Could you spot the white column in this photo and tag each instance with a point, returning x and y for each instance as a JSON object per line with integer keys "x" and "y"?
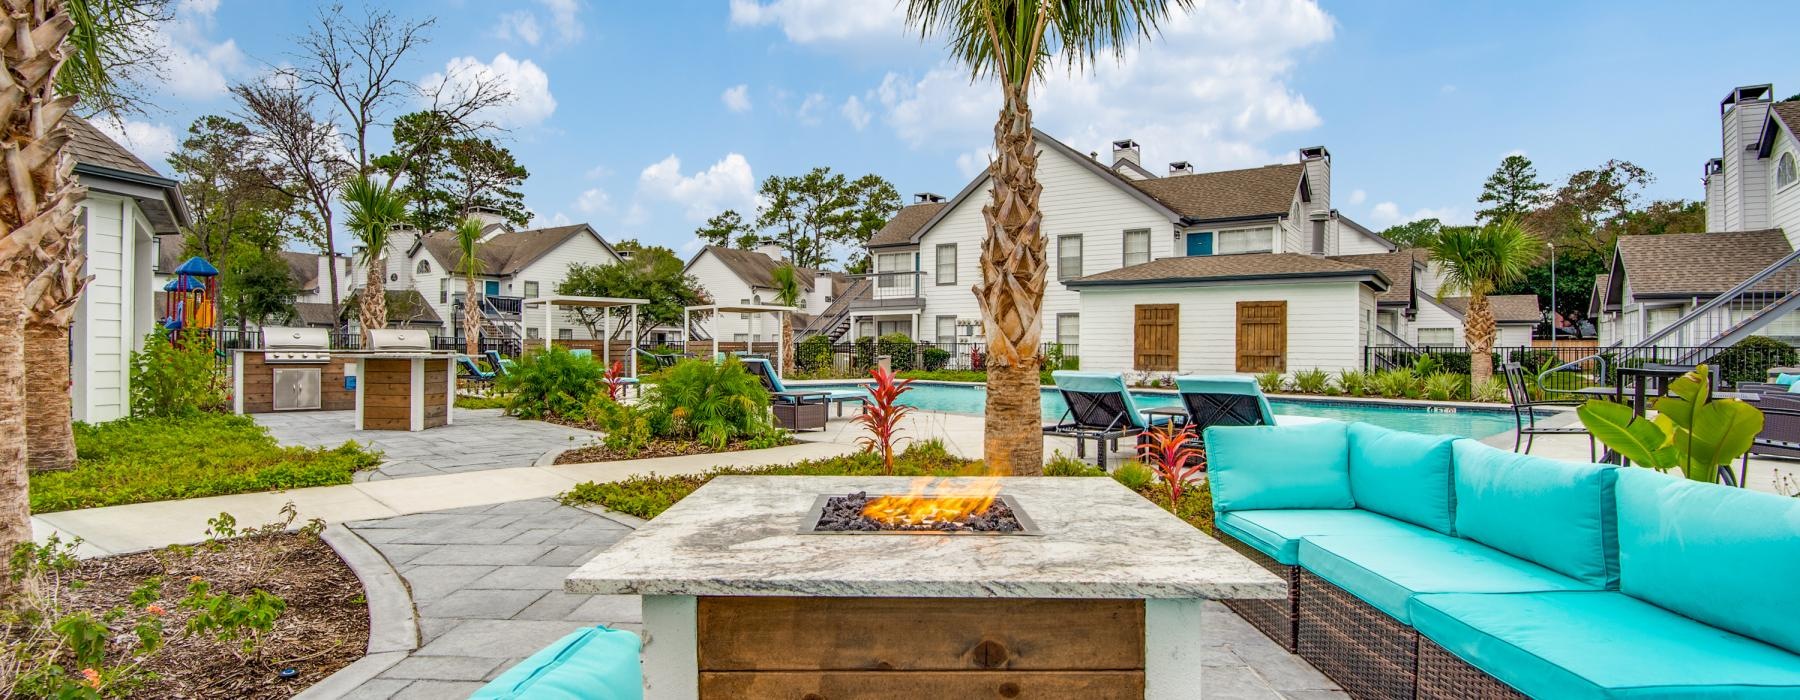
{"x": 237, "y": 382}
{"x": 671, "y": 648}
{"x": 1173, "y": 647}
{"x": 361, "y": 385}
{"x": 714, "y": 327}
{"x": 415, "y": 395}
{"x": 549, "y": 323}
{"x": 450, "y": 393}
{"x": 631, "y": 318}
{"x": 780, "y": 347}
{"x": 606, "y": 337}
{"x": 685, "y": 335}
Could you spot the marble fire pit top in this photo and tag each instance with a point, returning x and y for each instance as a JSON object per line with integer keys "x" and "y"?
{"x": 739, "y": 535}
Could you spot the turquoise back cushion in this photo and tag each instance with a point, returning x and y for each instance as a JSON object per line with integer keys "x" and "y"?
{"x": 1725, "y": 556}
{"x": 593, "y": 663}
{"x": 1557, "y": 514}
{"x": 1265, "y": 467}
{"x": 1786, "y": 379}
{"x": 1402, "y": 475}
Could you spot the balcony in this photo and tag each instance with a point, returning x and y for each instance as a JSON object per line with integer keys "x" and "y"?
{"x": 897, "y": 291}
{"x": 498, "y": 308}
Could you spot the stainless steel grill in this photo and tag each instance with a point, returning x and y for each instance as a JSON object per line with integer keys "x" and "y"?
{"x": 399, "y": 340}
{"x": 296, "y": 346}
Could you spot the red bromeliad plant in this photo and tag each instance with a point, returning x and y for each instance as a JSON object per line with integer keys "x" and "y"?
{"x": 614, "y": 387}
{"x": 881, "y": 415}
{"x": 1169, "y": 451}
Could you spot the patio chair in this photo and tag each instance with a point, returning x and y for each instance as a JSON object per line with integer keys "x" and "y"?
{"x": 472, "y": 371}
{"x": 582, "y": 352}
{"x": 1100, "y": 408}
{"x": 1524, "y": 408}
{"x": 501, "y": 365}
{"x": 656, "y": 361}
{"x": 777, "y": 390}
{"x": 1780, "y": 436}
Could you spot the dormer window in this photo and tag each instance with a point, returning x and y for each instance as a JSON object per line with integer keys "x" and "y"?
{"x": 1785, "y": 171}
{"x": 424, "y": 267}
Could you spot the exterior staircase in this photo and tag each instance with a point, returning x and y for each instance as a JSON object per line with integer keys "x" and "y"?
{"x": 834, "y": 321}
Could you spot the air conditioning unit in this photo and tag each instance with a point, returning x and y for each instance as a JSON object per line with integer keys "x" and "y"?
{"x": 297, "y": 389}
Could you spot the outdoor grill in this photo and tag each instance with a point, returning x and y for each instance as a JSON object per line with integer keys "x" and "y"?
{"x": 399, "y": 340}
{"x": 296, "y": 346}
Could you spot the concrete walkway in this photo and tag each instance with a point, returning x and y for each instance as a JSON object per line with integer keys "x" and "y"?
{"x": 479, "y": 440}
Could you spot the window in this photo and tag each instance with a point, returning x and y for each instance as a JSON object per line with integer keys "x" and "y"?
{"x": 1068, "y": 257}
{"x": 531, "y": 289}
{"x": 740, "y": 337}
{"x": 1437, "y": 336}
{"x": 1785, "y": 171}
{"x": 892, "y": 327}
{"x": 424, "y": 267}
{"x": 946, "y": 264}
{"x": 531, "y": 333}
{"x": 946, "y": 331}
{"x": 1068, "y": 334}
{"x": 565, "y": 334}
{"x": 891, "y": 262}
{"x": 444, "y": 292}
{"x": 1245, "y": 240}
{"x": 1137, "y": 247}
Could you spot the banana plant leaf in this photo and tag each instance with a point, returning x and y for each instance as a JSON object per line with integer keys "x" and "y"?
{"x": 1718, "y": 434}
{"x": 1620, "y": 428}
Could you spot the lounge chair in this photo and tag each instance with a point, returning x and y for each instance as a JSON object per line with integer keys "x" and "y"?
{"x": 772, "y": 382}
{"x": 1228, "y": 400}
{"x": 1100, "y": 408}
{"x": 655, "y": 360}
{"x": 1525, "y": 426}
{"x": 582, "y": 352}
{"x": 472, "y": 371}
{"x": 501, "y": 365}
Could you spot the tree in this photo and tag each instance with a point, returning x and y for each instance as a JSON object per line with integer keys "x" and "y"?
{"x": 468, "y": 242}
{"x": 876, "y": 202}
{"x": 115, "y": 51}
{"x": 787, "y": 293}
{"x": 1013, "y": 42}
{"x": 1585, "y": 210}
{"x": 1662, "y": 216}
{"x": 1512, "y": 191}
{"x": 1476, "y": 262}
{"x": 727, "y": 228}
{"x": 284, "y": 126}
{"x": 1413, "y": 234}
{"x": 373, "y": 209}
{"x": 1575, "y": 271}
{"x": 257, "y": 285}
{"x": 449, "y": 176}
{"x": 353, "y": 62}
{"x": 651, "y": 272}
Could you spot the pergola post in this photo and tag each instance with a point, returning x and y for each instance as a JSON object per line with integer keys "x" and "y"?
{"x": 780, "y": 345}
{"x": 686, "y": 336}
{"x": 606, "y": 337}
{"x": 631, "y": 318}
{"x": 714, "y": 332}
{"x": 549, "y": 324}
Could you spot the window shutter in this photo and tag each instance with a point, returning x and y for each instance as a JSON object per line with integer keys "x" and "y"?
{"x": 1157, "y": 343}
{"x": 1261, "y": 336}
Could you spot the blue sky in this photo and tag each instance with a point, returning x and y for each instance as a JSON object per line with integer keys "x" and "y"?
{"x": 643, "y": 118}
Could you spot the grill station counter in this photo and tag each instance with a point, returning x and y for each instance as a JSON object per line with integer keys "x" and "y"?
{"x": 293, "y": 371}
{"x": 397, "y": 383}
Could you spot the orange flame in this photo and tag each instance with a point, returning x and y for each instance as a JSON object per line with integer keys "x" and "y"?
{"x": 929, "y": 501}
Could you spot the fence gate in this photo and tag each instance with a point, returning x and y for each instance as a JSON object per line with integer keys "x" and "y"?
{"x": 1157, "y": 345}
{"x": 1261, "y": 336}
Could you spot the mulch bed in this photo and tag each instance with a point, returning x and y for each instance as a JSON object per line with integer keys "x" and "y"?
{"x": 656, "y": 448}
{"x": 325, "y": 627}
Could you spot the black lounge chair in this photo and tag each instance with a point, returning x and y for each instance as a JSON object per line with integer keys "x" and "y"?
{"x": 1525, "y": 419}
{"x": 1100, "y": 409}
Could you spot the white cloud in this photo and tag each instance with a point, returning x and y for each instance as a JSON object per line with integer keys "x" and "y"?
{"x": 557, "y": 219}
{"x": 809, "y": 109}
{"x": 736, "y": 98}
{"x": 636, "y": 215}
{"x": 854, "y": 111}
{"x": 1385, "y": 214}
{"x": 1358, "y": 196}
{"x": 525, "y": 25}
{"x": 151, "y": 142}
{"x": 597, "y": 172}
{"x": 594, "y": 201}
{"x": 195, "y": 66}
{"x": 1212, "y": 89}
{"x": 974, "y": 162}
{"x": 828, "y": 21}
{"x": 728, "y": 183}
{"x": 519, "y": 25}
{"x": 564, "y": 15}
{"x": 530, "y": 87}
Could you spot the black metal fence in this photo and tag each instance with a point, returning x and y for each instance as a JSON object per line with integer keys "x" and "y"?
{"x": 1577, "y": 366}
{"x": 911, "y": 354}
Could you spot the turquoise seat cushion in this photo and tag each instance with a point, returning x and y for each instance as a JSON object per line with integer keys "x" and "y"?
{"x": 1387, "y": 571}
{"x": 1277, "y": 533}
{"x": 594, "y": 663}
{"x": 1601, "y": 645}
{"x": 1263, "y": 467}
{"x": 1402, "y": 475}
{"x": 1557, "y": 514}
{"x": 1713, "y": 553}
{"x": 1786, "y": 379}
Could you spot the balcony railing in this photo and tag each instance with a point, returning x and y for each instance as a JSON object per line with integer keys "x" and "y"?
{"x": 507, "y": 307}
{"x": 893, "y": 290}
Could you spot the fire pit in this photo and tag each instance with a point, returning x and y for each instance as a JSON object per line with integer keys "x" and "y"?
{"x": 1095, "y": 594}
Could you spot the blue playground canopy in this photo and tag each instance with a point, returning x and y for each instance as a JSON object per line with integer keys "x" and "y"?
{"x": 197, "y": 267}
{"x": 184, "y": 283}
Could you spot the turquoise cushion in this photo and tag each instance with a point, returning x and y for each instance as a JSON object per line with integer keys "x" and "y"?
{"x": 1277, "y": 533}
{"x": 1557, "y": 514}
{"x": 1402, "y": 475}
{"x": 1794, "y": 388}
{"x": 1725, "y": 556}
{"x": 595, "y": 663}
{"x": 1387, "y": 571}
{"x": 1601, "y": 645}
{"x": 1786, "y": 379}
{"x": 1260, "y": 467}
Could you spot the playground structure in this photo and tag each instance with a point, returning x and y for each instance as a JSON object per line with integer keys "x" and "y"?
{"x": 192, "y": 299}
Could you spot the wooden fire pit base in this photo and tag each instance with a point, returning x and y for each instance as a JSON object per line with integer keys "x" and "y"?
{"x": 756, "y": 647}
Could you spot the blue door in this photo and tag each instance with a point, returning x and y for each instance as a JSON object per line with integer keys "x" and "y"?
{"x": 492, "y": 287}
{"x": 1199, "y": 243}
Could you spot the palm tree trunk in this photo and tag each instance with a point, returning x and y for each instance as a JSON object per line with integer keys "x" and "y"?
{"x": 1478, "y": 329}
{"x": 373, "y": 305}
{"x": 787, "y": 344}
{"x": 471, "y": 320}
{"x": 1011, "y": 294}
{"x": 15, "y": 501}
{"x": 49, "y": 429}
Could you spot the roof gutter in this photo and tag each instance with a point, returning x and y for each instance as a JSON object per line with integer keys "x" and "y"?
{"x": 1170, "y": 281}
{"x": 171, "y": 188}
{"x": 1195, "y": 221}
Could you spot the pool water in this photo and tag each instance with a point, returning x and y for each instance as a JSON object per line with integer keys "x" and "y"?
{"x": 1446, "y": 420}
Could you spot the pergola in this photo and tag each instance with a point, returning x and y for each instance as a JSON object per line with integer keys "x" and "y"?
{"x": 717, "y": 309}
{"x": 606, "y": 304}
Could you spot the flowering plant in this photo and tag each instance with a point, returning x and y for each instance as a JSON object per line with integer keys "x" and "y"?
{"x": 1168, "y": 450}
{"x": 881, "y": 415}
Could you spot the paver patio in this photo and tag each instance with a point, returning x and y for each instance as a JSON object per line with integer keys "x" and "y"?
{"x": 478, "y": 440}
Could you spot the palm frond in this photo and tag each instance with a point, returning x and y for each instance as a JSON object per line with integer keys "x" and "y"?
{"x": 787, "y": 285}
{"x": 1011, "y": 39}
{"x": 1476, "y": 261}
{"x": 373, "y": 210}
{"x": 468, "y": 241}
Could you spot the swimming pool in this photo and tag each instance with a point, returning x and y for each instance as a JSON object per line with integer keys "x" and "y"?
{"x": 1440, "y": 420}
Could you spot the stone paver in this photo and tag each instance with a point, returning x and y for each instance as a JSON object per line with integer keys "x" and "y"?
{"x": 484, "y": 606}
{"x": 479, "y": 440}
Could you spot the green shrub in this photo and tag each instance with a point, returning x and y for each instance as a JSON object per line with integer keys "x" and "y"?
{"x": 1063, "y": 465}
{"x": 1425, "y": 365}
{"x": 1532, "y": 360}
{"x": 1312, "y": 381}
{"x": 480, "y": 402}
{"x": 552, "y": 383}
{"x": 1355, "y": 383}
{"x": 1445, "y": 386}
{"x": 160, "y": 459}
{"x": 1452, "y": 362}
{"x": 627, "y": 427}
{"x": 864, "y": 357}
{"x": 1749, "y": 359}
{"x": 173, "y": 381}
{"x": 898, "y": 348}
{"x": 712, "y": 402}
{"x": 1271, "y": 381}
{"x": 814, "y": 353}
{"x": 1396, "y": 384}
{"x": 1493, "y": 391}
{"x": 943, "y": 375}
{"x": 1134, "y": 475}
{"x": 936, "y": 358}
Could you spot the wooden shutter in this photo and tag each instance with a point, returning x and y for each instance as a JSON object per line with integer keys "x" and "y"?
{"x": 1261, "y": 336}
{"x": 1157, "y": 345}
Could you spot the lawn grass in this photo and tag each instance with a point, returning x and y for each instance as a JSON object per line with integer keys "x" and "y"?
{"x": 480, "y": 402}
{"x": 648, "y": 496}
{"x": 137, "y": 460}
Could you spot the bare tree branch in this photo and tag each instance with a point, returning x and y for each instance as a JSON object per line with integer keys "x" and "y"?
{"x": 284, "y": 126}
{"x": 353, "y": 60}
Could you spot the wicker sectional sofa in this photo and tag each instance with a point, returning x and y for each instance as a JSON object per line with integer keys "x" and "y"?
{"x": 1435, "y": 567}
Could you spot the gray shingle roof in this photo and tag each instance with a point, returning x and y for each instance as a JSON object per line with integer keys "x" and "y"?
{"x": 1508, "y": 308}
{"x": 304, "y": 268}
{"x": 1228, "y": 194}
{"x": 757, "y": 269}
{"x": 503, "y": 254}
{"x": 1200, "y": 268}
{"x": 1702, "y": 264}
{"x": 1397, "y": 266}
{"x": 900, "y": 229}
{"x": 94, "y": 147}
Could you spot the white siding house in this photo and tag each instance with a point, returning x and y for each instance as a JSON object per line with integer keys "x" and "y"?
{"x": 128, "y": 204}
{"x": 735, "y": 276}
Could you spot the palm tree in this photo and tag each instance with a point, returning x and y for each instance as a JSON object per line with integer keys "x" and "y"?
{"x": 1475, "y": 262}
{"x": 373, "y": 209}
{"x": 1014, "y": 42}
{"x": 468, "y": 240}
{"x": 787, "y": 293}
